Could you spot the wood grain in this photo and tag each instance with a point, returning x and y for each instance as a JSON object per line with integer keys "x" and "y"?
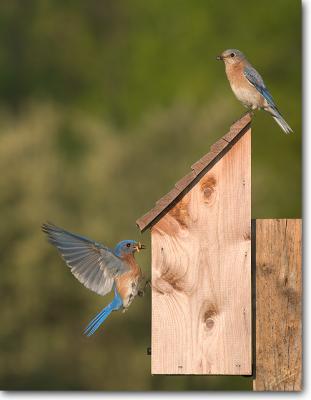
{"x": 201, "y": 274}
{"x": 278, "y": 305}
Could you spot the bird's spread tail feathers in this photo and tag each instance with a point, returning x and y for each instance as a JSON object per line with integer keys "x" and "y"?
{"x": 102, "y": 315}
{"x": 280, "y": 120}
{"x": 283, "y": 124}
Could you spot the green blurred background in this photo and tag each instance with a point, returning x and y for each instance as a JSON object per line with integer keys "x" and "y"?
{"x": 103, "y": 106}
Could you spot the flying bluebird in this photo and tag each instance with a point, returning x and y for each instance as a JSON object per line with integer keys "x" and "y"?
{"x": 248, "y": 86}
{"x": 99, "y": 268}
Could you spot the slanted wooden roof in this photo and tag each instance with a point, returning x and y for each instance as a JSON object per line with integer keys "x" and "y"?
{"x": 198, "y": 169}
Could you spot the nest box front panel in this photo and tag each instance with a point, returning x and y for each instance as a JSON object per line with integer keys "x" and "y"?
{"x": 201, "y": 274}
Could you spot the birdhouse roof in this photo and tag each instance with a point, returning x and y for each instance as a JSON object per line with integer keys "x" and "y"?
{"x": 198, "y": 169}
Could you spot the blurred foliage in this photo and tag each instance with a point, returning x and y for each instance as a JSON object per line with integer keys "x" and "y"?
{"x": 103, "y": 106}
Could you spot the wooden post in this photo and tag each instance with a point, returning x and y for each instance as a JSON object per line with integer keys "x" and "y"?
{"x": 278, "y": 305}
{"x": 201, "y": 273}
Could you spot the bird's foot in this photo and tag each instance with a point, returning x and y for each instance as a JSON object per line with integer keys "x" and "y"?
{"x": 249, "y": 111}
{"x": 141, "y": 292}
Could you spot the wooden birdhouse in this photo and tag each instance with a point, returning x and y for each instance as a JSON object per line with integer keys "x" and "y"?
{"x": 201, "y": 264}
{"x": 217, "y": 308}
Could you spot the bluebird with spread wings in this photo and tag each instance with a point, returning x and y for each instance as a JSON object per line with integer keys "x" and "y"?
{"x": 100, "y": 269}
{"x": 248, "y": 86}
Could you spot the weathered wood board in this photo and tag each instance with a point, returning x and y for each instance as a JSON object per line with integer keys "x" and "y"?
{"x": 201, "y": 274}
{"x": 278, "y": 305}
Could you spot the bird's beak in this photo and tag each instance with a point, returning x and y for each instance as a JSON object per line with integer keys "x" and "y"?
{"x": 140, "y": 246}
{"x": 219, "y": 57}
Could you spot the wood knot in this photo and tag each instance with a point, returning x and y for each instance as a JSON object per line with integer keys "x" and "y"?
{"x": 266, "y": 269}
{"x": 209, "y": 323}
{"x": 168, "y": 282}
{"x": 208, "y": 188}
{"x": 288, "y": 291}
{"x": 291, "y": 295}
{"x": 209, "y": 316}
{"x": 177, "y": 284}
{"x": 161, "y": 286}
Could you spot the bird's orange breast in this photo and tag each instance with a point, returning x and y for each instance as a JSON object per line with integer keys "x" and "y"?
{"x": 242, "y": 88}
{"x": 125, "y": 282}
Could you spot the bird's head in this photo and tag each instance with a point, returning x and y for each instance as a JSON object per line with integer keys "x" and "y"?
{"x": 128, "y": 247}
{"x": 231, "y": 56}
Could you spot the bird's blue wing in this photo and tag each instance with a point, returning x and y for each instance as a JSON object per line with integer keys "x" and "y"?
{"x": 256, "y": 80}
{"x": 93, "y": 264}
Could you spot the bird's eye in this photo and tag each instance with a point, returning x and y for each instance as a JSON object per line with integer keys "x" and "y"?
{"x": 232, "y": 55}
{"x": 128, "y": 244}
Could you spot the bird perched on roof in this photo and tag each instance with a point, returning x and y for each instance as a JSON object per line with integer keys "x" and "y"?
{"x": 99, "y": 268}
{"x": 249, "y": 87}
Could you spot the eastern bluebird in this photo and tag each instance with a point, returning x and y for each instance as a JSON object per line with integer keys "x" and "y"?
{"x": 248, "y": 86}
{"x": 99, "y": 268}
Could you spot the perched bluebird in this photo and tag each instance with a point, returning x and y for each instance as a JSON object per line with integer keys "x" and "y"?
{"x": 248, "y": 86}
{"x": 99, "y": 268}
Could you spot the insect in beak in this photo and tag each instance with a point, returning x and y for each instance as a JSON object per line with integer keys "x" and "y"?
{"x": 140, "y": 246}
{"x": 219, "y": 57}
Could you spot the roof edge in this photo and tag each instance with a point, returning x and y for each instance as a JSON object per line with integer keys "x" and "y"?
{"x": 199, "y": 168}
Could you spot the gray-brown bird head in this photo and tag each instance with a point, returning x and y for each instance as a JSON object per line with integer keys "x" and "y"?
{"x": 231, "y": 56}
